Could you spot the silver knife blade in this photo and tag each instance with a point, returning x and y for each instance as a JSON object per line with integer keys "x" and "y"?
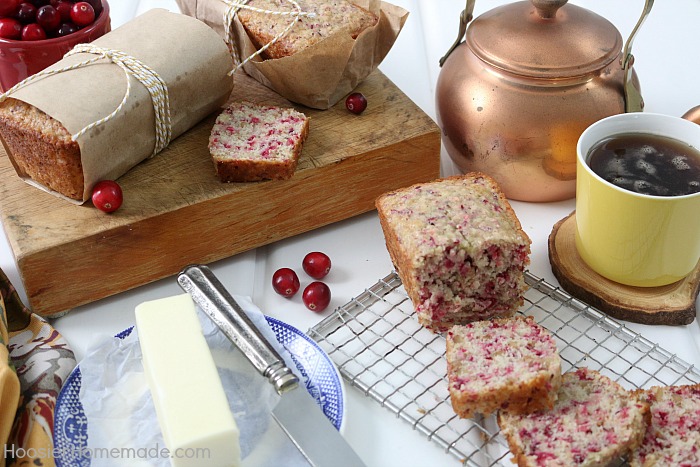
{"x": 297, "y": 413}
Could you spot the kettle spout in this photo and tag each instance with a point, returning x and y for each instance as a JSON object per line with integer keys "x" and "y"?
{"x": 693, "y": 114}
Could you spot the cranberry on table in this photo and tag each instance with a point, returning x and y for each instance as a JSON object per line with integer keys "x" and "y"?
{"x": 33, "y": 32}
{"x": 8, "y": 7}
{"x": 10, "y": 28}
{"x": 82, "y": 14}
{"x": 285, "y": 282}
{"x": 356, "y": 103}
{"x": 316, "y": 296}
{"x": 107, "y": 195}
{"x": 316, "y": 264}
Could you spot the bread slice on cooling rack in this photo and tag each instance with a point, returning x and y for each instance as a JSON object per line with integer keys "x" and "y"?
{"x": 458, "y": 247}
{"x": 511, "y": 364}
{"x": 673, "y": 435}
{"x": 594, "y": 422}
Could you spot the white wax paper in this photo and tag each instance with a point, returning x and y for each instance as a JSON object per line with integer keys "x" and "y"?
{"x": 121, "y": 416}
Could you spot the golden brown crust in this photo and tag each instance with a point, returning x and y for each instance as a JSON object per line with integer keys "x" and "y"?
{"x": 40, "y": 148}
{"x": 331, "y": 18}
{"x": 246, "y": 170}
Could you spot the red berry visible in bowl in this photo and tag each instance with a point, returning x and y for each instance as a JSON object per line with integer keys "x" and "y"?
{"x": 33, "y": 32}
{"x": 316, "y": 296}
{"x": 64, "y": 8}
{"x": 10, "y": 28}
{"x": 48, "y": 18}
{"x": 316, "y": 264}
{"x": 82, "y": 14}
{"x": 285, "y": 282}
{"x": 356, "y": 103}
{"x": 8, "y": 7}
{"x": 107, "y": 195}
{"x": 26, "y": 13}
{"x": 96, "y": 5}
{"x": 66, "y": 28}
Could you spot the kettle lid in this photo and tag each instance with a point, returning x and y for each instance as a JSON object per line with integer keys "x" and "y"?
{"x": 544, "y": 39}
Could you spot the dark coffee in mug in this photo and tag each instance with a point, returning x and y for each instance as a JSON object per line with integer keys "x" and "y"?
{"x": 647, "y": 164}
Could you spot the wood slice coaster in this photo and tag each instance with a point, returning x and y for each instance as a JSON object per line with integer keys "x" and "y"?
{"x": 671, "y": 304}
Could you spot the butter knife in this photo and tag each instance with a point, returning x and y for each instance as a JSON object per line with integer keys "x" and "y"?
{"x": 297, "y": 413}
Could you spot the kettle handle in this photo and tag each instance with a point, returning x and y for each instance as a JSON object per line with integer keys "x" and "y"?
{"x": 633, "y": 95}
{"x": 464, "y": 18}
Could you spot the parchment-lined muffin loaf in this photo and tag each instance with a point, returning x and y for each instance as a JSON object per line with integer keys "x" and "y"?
{"x": 331, "y": 17}
{"x": 673, "y": 435}
{"x": 252, "y": 142}
{"x": 594, "y": 422}
{"x": 458, "y": 247}
{"x": 502, "y": 364}
{"x": 41, "y": 148}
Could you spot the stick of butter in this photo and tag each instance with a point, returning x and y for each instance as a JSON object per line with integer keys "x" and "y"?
{"x": 193, "y": 412}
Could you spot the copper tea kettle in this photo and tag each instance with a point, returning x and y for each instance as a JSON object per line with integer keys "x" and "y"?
{"x": 515, "y": 95}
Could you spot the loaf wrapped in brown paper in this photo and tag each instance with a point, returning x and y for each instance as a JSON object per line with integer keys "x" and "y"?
{"x": 320, "y": 75}
{"x": 193, "y": 62}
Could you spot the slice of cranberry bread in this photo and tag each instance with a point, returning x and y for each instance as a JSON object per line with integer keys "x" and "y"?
{"x": 509, "y": 363}
{"x": 673, "y": 435}
{"x": 252, "y": 142}
{"x": 594, "y": 422}
{"x": 330, "y": 17}
{"x": 458, "y": 248}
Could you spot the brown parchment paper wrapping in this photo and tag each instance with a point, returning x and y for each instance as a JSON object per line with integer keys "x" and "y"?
{"x": 192, "y": 60}
{"x": 320, "y": 75}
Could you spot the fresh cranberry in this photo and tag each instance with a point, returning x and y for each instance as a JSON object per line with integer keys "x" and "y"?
{"x": 82, "y": 14}
{"x": 64, "y": 9}
{"x": 48, "y": 18}
{"x": 66, "y": 28}
{"x": 96, "y": 5}
{"x": 285, "y": 282}
{"x": 356, "y": 103}
{"x": 10, "y": 28}
{"x": 316, "y": 296}
{"x": 33, "y": 32}
{"x": 316, "y": 264}
{"x": 26, "y": 13}
{"x": 8, "y": 7}
{"x": 107, "y": 196}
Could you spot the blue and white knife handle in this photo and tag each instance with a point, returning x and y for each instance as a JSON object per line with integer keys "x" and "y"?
{"x": 213, "y": 298}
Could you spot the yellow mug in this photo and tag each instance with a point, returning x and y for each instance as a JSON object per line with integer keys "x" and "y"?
{"x": 631, "y": 238}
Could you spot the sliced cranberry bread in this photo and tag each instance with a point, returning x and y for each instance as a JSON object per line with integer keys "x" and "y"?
{"x": 252, "y": 142}
{"x": 331, "y": 17}
{"x": 594, "y": 422}
{"x": 509, "y": 363}
{"x": 673, "y": 435}
{"x": 458, "y": 248}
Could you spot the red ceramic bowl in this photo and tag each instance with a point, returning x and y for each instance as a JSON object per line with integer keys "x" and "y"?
{"x": 20, "y": 59}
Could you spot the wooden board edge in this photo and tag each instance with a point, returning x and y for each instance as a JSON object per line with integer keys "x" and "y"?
{"x": 53, "y": 292}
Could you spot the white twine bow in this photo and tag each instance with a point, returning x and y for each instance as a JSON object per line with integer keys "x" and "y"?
{"x": 155, "y": 85}
{"x": 232, "y": 9}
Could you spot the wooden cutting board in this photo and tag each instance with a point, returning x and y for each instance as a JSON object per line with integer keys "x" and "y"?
{"x": 176, "y": 211}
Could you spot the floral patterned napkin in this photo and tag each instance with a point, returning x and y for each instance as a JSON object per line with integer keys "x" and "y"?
{"x": 35, "y": 361}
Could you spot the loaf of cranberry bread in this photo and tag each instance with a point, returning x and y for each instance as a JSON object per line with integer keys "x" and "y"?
{"x": 330, "y": 17}
{"x": 458, "y": 248}
{"x": 594, "y": 422}
{"x": 252, "y": 142}
{"x": 42, "y": 148}
{"x": 510, "y": 364}
{"x": 673, "y": 435}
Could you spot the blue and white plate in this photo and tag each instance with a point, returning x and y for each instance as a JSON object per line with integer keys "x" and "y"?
{"x": 320, "y": 377}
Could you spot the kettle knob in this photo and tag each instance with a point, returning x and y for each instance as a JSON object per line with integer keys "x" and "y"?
{"x": 548, "y": 8}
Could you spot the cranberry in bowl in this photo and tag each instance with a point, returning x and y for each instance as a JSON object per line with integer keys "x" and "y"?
{"x": 35, "y": 34}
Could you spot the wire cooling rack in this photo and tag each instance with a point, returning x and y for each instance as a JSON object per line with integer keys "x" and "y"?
{"x": 379, "y": 348}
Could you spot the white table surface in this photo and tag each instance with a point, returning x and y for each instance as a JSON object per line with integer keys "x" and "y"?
{"x": 668, "y": 64}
